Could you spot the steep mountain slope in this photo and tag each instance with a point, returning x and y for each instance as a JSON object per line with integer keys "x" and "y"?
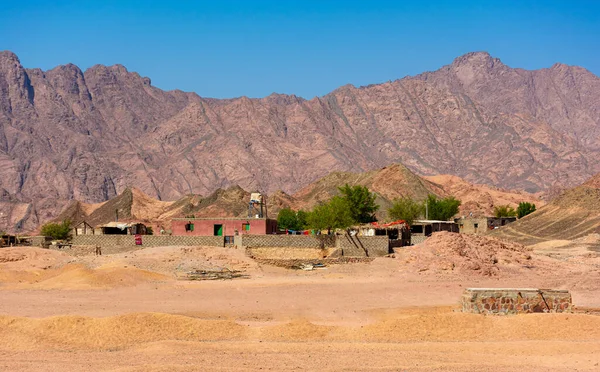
{"x": 67, "y": 134}
{"x": 574, "y": 214}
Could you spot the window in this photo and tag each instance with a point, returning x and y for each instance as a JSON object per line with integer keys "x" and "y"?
{"x": 189, "y": 227}
{"x": 246, "y": 227}
{"x": 475, "y": 225}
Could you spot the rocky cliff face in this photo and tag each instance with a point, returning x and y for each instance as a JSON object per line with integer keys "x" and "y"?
{"x": 67, "y": 134}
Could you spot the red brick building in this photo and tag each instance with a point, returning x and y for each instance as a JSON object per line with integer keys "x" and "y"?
{"x": 223, "y": 226}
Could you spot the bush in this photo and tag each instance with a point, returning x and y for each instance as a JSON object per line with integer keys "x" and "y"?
{"x": 406, "y": 209}
{"x": 58, "y": 231}
{"x": 442, "y": 209}
{"x": 504, "y": 211}
{"x": 524, "y": 209}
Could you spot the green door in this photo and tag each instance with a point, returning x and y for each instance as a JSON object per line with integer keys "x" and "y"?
{"x": 218, "y": 230}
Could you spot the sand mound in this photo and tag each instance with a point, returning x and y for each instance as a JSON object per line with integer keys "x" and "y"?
{"x": 178, "y": 259}
{"x": 80, "y": 277}
{"x": 466, "y": 254}
{"x": 76, "y": 332}
{"x": 410, "y": 325}
{"x": 29, "y": 258}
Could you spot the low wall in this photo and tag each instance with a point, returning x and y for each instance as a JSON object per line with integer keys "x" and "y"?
{"x": 515, "y": 301}
{"x": 288, "y": 241}
{"x": 148, "y": 240}
{"x": 87, "y": 250}
{"x": 361, "y": 246}
{"x": 40, "y": 241}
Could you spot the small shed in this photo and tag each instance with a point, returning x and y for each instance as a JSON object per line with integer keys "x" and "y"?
{"x": 481, "y": 225}
{"x": 83, "y": 228}
{"x": 421, "y": 229}
{"x": 398, "y": 232}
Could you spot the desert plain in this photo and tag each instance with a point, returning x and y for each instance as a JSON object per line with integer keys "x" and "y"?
{"x": 135, "y": 310}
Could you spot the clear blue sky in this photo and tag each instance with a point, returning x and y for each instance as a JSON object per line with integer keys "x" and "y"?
{"x": 226, "y": 48}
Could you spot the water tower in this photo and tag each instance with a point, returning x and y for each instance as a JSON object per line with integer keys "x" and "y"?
{"x": 256, "y": 206}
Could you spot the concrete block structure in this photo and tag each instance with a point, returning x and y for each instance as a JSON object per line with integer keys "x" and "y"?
{"x": 148, "y": 240}
{"x": 223, "y": 226}
{"x": 515, "y": 301}
{"x": 421, "y": 229}
{"x": 481, "y": 225}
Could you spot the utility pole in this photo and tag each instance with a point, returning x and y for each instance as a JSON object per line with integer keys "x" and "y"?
{"x": 426, "y": 209}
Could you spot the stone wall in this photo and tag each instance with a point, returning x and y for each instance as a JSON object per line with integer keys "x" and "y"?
{"x": 148, "y": 240}
{"x": 291, "y": 241}
{"x": 515, "y": 301}
{"x": 86, "y": 250}
{"x": 359, "y": 246}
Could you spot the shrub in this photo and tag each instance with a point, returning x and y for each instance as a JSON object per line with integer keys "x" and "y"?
{"x": 524, "y": 209}
{"x": 57, "y": 231}
{"x": 504, "y": 211}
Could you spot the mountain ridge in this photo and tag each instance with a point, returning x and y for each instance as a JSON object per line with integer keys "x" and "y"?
{"x": 67, "y": 134}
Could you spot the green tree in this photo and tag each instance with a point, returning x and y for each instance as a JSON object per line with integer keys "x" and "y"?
{"x": 301, "y": 217}
{"x": 291, "y": 220}
{"x": 524, "y": 209}
{"x": 361, "y": 202}
{"x": 57, "y": 230}
{"x": 442, "y": 209}
{"x": 335, "y": 214}
{"x": 504, "y": 211}
{"x": 406, "y": 209}
{"x": 287, "y": 219}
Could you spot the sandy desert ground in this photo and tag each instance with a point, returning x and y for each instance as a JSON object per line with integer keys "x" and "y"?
{"x": 132, "y": 312}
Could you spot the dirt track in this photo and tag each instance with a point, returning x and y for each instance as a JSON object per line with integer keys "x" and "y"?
{"x": 384, "y": 315}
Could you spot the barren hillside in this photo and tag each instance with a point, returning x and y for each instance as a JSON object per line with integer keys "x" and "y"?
{"x": 574, "y": 214}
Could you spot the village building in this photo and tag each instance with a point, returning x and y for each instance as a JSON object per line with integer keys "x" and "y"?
{"x": 82, "y": 228}
{"x": 481, "y": 225}
{"x": 421, "y": 229}
{"x": 397, "y": 232}
{"x": 122, "y": 228}
{"x": 223, "y": 226}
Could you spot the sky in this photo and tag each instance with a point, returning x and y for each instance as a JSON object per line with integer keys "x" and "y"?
{"x": 226, "y": 48}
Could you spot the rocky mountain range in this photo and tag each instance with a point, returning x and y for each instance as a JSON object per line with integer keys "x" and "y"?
{"x": 67, "y": 134}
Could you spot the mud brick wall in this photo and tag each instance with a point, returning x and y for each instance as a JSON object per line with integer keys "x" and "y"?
{"x": 148, "y": 240}
{"x": 515, "y": 301}
{"x": 358, "y": 246}
{"x": 291, "y": 241}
